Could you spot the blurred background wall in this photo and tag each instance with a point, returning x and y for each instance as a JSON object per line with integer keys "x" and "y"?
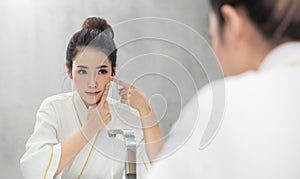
{"x": 157, "y": 54}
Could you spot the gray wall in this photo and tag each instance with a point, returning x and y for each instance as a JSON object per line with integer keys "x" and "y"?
{"x": 160, "y": 61}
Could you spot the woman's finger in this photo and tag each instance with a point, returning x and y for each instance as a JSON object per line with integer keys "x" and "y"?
{"x": 107, "y": 119}
{"x": 104, "y": 95}
{"x": 120, "y": 82}
{"x": 123, "y": 92}
{"x": 106, "y": 105}
{"x": 108, "y": 116}
{"x": 125, "y": 96}
{"x": 124, "y": 101}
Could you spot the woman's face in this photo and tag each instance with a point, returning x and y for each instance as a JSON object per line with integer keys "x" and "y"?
{"x": 91, "y": 72}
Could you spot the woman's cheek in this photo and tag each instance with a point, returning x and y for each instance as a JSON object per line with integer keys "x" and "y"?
{"x": 102, "y": 81}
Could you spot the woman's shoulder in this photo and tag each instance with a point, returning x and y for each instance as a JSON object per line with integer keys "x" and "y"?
{"x": 56, "y": 99}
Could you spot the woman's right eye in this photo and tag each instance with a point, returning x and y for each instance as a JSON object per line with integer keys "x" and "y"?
{"x": 81, "y": 72}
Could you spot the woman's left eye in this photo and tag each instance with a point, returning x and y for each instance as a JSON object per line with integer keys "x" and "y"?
{"x": 102, "y": 72}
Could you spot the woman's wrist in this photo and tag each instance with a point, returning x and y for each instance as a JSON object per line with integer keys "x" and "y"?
{"x": 89, "y": 130}
{"x": 145, "y": 111}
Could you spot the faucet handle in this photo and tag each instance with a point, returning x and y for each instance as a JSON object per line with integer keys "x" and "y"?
{"x": 113, "y": 132}
{"x": 125, "y": 132}
{"x": 128, "y": 134}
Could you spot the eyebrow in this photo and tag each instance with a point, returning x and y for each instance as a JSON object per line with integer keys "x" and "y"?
{"x": 102, "y": 66}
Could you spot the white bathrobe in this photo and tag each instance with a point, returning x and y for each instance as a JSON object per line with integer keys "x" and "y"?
{"x": 255, "y": 136}
{"x": 57, "y": 120}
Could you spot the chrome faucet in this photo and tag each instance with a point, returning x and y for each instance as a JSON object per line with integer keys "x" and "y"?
{"x": 130, "y": 144}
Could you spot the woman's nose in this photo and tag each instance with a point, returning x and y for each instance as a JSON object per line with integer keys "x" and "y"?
{"x": 92, "y": 81}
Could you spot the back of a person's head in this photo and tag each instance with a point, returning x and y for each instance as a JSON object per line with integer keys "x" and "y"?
{"x": 277, "y": 20}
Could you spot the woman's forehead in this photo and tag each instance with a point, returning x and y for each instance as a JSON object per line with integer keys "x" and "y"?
{"x": 91, "y": 57}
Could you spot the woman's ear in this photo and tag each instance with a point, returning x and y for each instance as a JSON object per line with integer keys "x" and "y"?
{"x": 69, "y": 71}
{"x": 115, "y": 71}
{"x": 234, "y": 21}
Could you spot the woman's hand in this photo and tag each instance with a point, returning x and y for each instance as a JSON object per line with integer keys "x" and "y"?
{"x": 153, "y": 137}
{"x": 99, "y": 115}
{"x": 133, "y": 97}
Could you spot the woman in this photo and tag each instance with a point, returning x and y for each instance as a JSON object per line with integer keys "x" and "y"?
{"x": 258, "y": 46}
{"x": 70, "y": 137}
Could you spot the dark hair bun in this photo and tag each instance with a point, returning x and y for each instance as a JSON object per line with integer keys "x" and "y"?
{"x": 98, "y": 24}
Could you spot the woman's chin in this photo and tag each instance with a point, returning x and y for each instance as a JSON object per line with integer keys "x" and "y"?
{"x": 93, "y": 102}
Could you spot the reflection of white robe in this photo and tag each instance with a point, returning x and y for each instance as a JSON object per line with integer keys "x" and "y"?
{"x": 57, "y": 120}
{"x": 259, "y": 137}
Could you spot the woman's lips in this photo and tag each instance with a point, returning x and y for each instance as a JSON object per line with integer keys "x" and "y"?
{"x": 92, "y": 93}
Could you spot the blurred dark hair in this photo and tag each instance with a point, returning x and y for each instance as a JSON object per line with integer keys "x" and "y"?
{"x": 275, "y": 19}
{"x": 95, "y": 33}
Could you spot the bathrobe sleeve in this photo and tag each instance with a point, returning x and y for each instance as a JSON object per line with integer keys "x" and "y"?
{"x": 43, "y": 149}
{"x": 143, "y": 163}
